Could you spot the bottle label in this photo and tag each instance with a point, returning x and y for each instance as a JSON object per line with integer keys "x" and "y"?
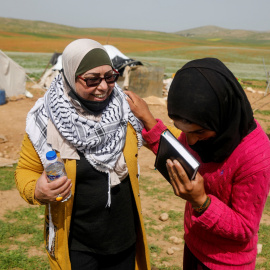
{"x": 55, "y": 171}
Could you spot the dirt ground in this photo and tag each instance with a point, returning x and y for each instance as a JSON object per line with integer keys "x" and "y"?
{"x": 12, "y": 128}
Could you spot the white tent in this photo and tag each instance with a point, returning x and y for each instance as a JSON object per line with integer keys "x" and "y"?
{"x": 12, "y": 76}
{"x": 113, "y": 52}
{"x": 119, "y": 60}
{"x": 51, "y": 73}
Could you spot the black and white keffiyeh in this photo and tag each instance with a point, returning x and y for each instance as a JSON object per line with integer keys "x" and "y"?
{"x": 101, "y": 142}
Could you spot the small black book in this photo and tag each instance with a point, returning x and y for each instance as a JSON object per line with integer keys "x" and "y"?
{"x": 171, "y": 148}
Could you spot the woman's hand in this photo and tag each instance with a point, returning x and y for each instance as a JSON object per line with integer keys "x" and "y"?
{"x": 47, "y": 192}
{"x": 140, "y": 109}
{"x": 190, "y": 190}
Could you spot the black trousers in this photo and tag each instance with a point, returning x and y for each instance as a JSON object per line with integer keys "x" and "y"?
{"x": 191, "y": 262}
{"x": 90, "y": 261}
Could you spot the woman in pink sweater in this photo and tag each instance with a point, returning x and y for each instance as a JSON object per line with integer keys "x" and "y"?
{"x": 226, "y": 200}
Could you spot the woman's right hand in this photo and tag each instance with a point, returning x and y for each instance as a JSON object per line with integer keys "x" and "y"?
{"x": 140, "y": 109}
{"x": 190, "y": 190}
{"x": 47, "y": 192}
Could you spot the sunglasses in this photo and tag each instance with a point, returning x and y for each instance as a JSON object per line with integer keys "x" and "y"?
{"x": 95, "y": 81}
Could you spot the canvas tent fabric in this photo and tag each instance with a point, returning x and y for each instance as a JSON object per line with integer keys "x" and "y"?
{"x": 55, "y": 58}
{"x": 51, "y": 73}
{"x": 12, "y": 76}
{"x": 119, "y": 60}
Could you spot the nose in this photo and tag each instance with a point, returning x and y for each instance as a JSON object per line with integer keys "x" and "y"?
{"x": 103, "y": 84}
{"x": 191, "y": 139}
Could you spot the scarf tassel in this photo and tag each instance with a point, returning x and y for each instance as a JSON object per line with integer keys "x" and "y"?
{"x": 109, "y": 192}
{"x": 51, "y": 230}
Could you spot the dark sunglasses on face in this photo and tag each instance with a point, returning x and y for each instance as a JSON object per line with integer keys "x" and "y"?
{"x": 95, "y": 81}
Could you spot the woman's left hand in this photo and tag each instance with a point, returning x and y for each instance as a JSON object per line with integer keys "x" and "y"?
{"x": 190, "y": 190}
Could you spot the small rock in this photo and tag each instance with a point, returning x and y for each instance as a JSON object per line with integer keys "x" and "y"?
{"x": 170, "y": 251}
{"x": 158, "y": 227}
{"x": 164, "y": 217}
{"x": 175, "y": 240}
{"x": 166, "y": 264}
{"x": 3, "y": 138}
{"x": 176, "y": 248}
{"x": 250, "y": 90}
{"x": 172, "y": 238}
{"x": 259, "y": 248}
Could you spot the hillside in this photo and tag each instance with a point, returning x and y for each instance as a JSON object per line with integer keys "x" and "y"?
{"x": 40, "y": 28}
{"x": 38, "y": 36}
{"x": 243, "y": 51}
{"x": 223, "y": 33}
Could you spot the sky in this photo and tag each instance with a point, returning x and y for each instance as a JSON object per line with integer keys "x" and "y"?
{"x": 154, "y": 15}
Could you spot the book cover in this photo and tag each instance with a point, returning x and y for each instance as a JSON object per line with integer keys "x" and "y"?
{"x": 171, "y": 148}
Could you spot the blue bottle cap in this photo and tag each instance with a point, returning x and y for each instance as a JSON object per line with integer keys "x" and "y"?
{"x": 51, "y": 155}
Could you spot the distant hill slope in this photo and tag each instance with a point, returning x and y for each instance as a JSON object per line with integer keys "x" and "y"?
{"x": 223, "y": 33}
{"x": 39, "y": 36}
{"x": 41, "y": 27}
{"x": 204, "y": 32}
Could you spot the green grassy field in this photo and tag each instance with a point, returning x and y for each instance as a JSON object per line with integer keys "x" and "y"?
{"x": 35, "y": 63}
{"x": 31, "y": 44}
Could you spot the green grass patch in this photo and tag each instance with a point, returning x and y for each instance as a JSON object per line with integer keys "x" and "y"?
{"x": 264, "y": 239}
{"x": 18, "y": 259}
{"x": 154, "y": 249}
{"x": 175, "y": 215}
{"x": 173, "y": 227}
{"x": 33, "y": 63}
{"x": 155, "y": 188}
{"x": 266, "y": 112}
{"x": 7, "y": 180}
{"x": 23, "y": 229}
{"x": 267, "y": 207}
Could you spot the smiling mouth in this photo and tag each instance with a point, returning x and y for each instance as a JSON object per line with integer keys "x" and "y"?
{"x": 100, "y": 96}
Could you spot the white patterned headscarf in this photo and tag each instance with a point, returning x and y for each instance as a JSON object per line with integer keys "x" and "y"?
{"x": 73, "y": 55}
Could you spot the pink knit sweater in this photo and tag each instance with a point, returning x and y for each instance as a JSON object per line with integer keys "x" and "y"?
{"x": 225, "y": 236}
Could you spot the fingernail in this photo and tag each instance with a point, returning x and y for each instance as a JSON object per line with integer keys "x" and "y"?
{"x": 175, "y": 161}
{"x": 169, "y": 162}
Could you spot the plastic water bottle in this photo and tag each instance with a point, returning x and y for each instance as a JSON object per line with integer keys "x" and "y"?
{"x": 55, "y": 168}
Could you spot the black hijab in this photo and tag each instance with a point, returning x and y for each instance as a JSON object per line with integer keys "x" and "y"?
{"x": 205, "y": 92}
